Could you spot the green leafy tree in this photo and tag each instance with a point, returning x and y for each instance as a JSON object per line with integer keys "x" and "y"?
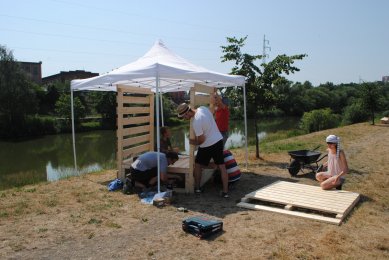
{"x": 320, "y": 119}
{"x": 371, "y": 98}
{"x": 63, "y": 109}
{"x": 355, "y": 113}
{"x": 17, "y": 96}
{"x": 106, "y": 106}
{"x": 260, "y": 94}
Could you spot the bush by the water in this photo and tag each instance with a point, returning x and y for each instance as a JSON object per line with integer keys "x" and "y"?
{"x": 355, "y": 113}
{"x": 319, "y": 119}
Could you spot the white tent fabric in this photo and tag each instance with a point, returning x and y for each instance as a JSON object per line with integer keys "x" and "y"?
{"x": 174, "y": 73}
{"x": 160, "y": 70}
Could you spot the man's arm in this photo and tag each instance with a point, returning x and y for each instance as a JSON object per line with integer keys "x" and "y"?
{"x": 198, "y": 140}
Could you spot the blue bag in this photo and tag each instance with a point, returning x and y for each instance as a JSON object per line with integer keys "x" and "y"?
{"x": 115, "y": 185}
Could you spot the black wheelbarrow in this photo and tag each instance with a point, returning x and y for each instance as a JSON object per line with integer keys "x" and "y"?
{"x": 304, "y": 159}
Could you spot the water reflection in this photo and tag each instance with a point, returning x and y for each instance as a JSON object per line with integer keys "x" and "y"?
{"x": 51, "y": 157}
{"x": 56, "y": 173}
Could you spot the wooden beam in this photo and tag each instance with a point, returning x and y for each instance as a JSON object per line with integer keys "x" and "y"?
{"x": 134, "y": 90}
{"x": 136, "y": 120}
{"x": 136, "y": 100}
{"x": 203, "y": 88}
{"x": 136, "y": 140}
{"x": 136, "y": 130}
{"x": 134, "y": 110}
{"x": 133, "y": 151}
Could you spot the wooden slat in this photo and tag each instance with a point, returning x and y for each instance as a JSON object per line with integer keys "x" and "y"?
{"x": 288, "y": 212}
{"x": 134, "y": 90}
{"x": 136, "y": 130}
{"x": 201, "y": 100}
{"x": 203, "y": 88}
{"x": 181, "y": 166}
{"x": 136, "y": 100}
{"x": 136, "y": 140}
{"x": 133, "y": 151}
{"x": 136, "y": 120}
{"x": 134, "y": 110}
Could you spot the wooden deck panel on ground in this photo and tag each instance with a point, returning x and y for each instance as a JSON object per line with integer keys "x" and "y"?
{"x": 295, "y": 196}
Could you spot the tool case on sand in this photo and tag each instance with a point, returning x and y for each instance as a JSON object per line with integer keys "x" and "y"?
{"x": 201, "y": 227}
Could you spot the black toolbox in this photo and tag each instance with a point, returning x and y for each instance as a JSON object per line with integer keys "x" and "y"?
{"x": 202, "y": 227}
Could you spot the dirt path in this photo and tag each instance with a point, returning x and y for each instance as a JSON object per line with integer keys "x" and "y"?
{"x": 78, "y": 218}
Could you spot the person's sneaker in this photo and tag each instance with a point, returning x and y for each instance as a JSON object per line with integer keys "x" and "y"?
{"x": 339, "y": 187}
{"x": 225, "y": 195}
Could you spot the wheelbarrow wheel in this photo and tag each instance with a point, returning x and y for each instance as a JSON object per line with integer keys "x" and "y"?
{"x": 294, "y": 168}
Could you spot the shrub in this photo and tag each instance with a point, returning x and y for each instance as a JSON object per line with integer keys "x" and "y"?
{"x": 318, "y": 120}
{"x": 354, "y": 113}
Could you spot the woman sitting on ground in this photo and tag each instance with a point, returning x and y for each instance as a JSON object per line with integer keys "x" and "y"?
{"x": 336, "y": 165}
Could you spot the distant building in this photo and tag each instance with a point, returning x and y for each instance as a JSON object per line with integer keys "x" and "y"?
{"x": 385, "y": 79}
{"x": 178, "y": 97}
{"x": 68, "y": 76}
{"x": 33, "y": 70}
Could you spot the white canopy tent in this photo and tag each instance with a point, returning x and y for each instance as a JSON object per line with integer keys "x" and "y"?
{"x": 162, "y": 71}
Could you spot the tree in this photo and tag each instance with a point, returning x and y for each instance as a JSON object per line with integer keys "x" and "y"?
{"x": 106, "y": 106}
{"x": 63, "y": 109}
{"x": 17, "y": 96}
{"x": 370, "y": 96}
{"x": 259, "y": 80}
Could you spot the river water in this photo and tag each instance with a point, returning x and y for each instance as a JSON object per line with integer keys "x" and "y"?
{"x": 50, "y": 158}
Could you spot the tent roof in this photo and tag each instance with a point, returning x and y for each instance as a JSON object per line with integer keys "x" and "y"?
{"x": 159, "y": 64}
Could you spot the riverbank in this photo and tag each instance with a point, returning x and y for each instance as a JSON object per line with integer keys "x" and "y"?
{"x": 77, "y": 218}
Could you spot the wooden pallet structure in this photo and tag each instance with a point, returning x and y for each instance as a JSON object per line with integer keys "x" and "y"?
{"x": 302, "y": 200}
{"x": 135, "y": 133}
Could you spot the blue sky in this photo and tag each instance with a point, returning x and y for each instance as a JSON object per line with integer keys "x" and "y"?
{"x": 345, "y": 40}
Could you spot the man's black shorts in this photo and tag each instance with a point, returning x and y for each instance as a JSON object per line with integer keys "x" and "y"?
{"x": 214, "y": 151}
{"x": 143, "y": 176}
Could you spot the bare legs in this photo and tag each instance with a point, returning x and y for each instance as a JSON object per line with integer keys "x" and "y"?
{"x": 198, "y": 173}
{"x": 326, "y": 181}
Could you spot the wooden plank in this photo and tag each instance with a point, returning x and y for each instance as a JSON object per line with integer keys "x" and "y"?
{"x": 134, "y": 90}
{"x": 133, "y": 151}
{"x": 136, "y": 140}
{"x": 189, "y": 181}
{"x": 136, "y": 120}
{"x": 151, "y": 120}
{"x": 201, "y": 100}
{"x": 307, "y": 202}
{"x": 203, "y": 88}
{"x": 288, "y": 212}
{"x": 136, "y": 100}
{"x": 119, "y": 134}
{"x": 134, "y": 110}
{"x": 136, "y": 130}
{"x": 181, "y": 166}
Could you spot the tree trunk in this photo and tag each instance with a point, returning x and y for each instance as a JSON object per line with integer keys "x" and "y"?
{"x": 256, "y": 138}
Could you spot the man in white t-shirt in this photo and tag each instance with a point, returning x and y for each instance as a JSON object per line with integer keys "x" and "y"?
{"x": 209, "y": 140}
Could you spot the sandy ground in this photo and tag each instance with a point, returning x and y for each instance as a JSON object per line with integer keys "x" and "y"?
{"x": 78, "y": 218}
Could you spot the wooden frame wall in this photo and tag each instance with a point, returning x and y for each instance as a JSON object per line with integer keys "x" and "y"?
{"x": 135, "y": 124}
{"x": 199, "y": 95}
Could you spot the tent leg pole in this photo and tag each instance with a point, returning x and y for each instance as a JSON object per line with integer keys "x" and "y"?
{"x": 158, "y": 138}
{"x": 73, "y": 131}
{"x": 162, "y": 121}
{"x": 245, "y": 124}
